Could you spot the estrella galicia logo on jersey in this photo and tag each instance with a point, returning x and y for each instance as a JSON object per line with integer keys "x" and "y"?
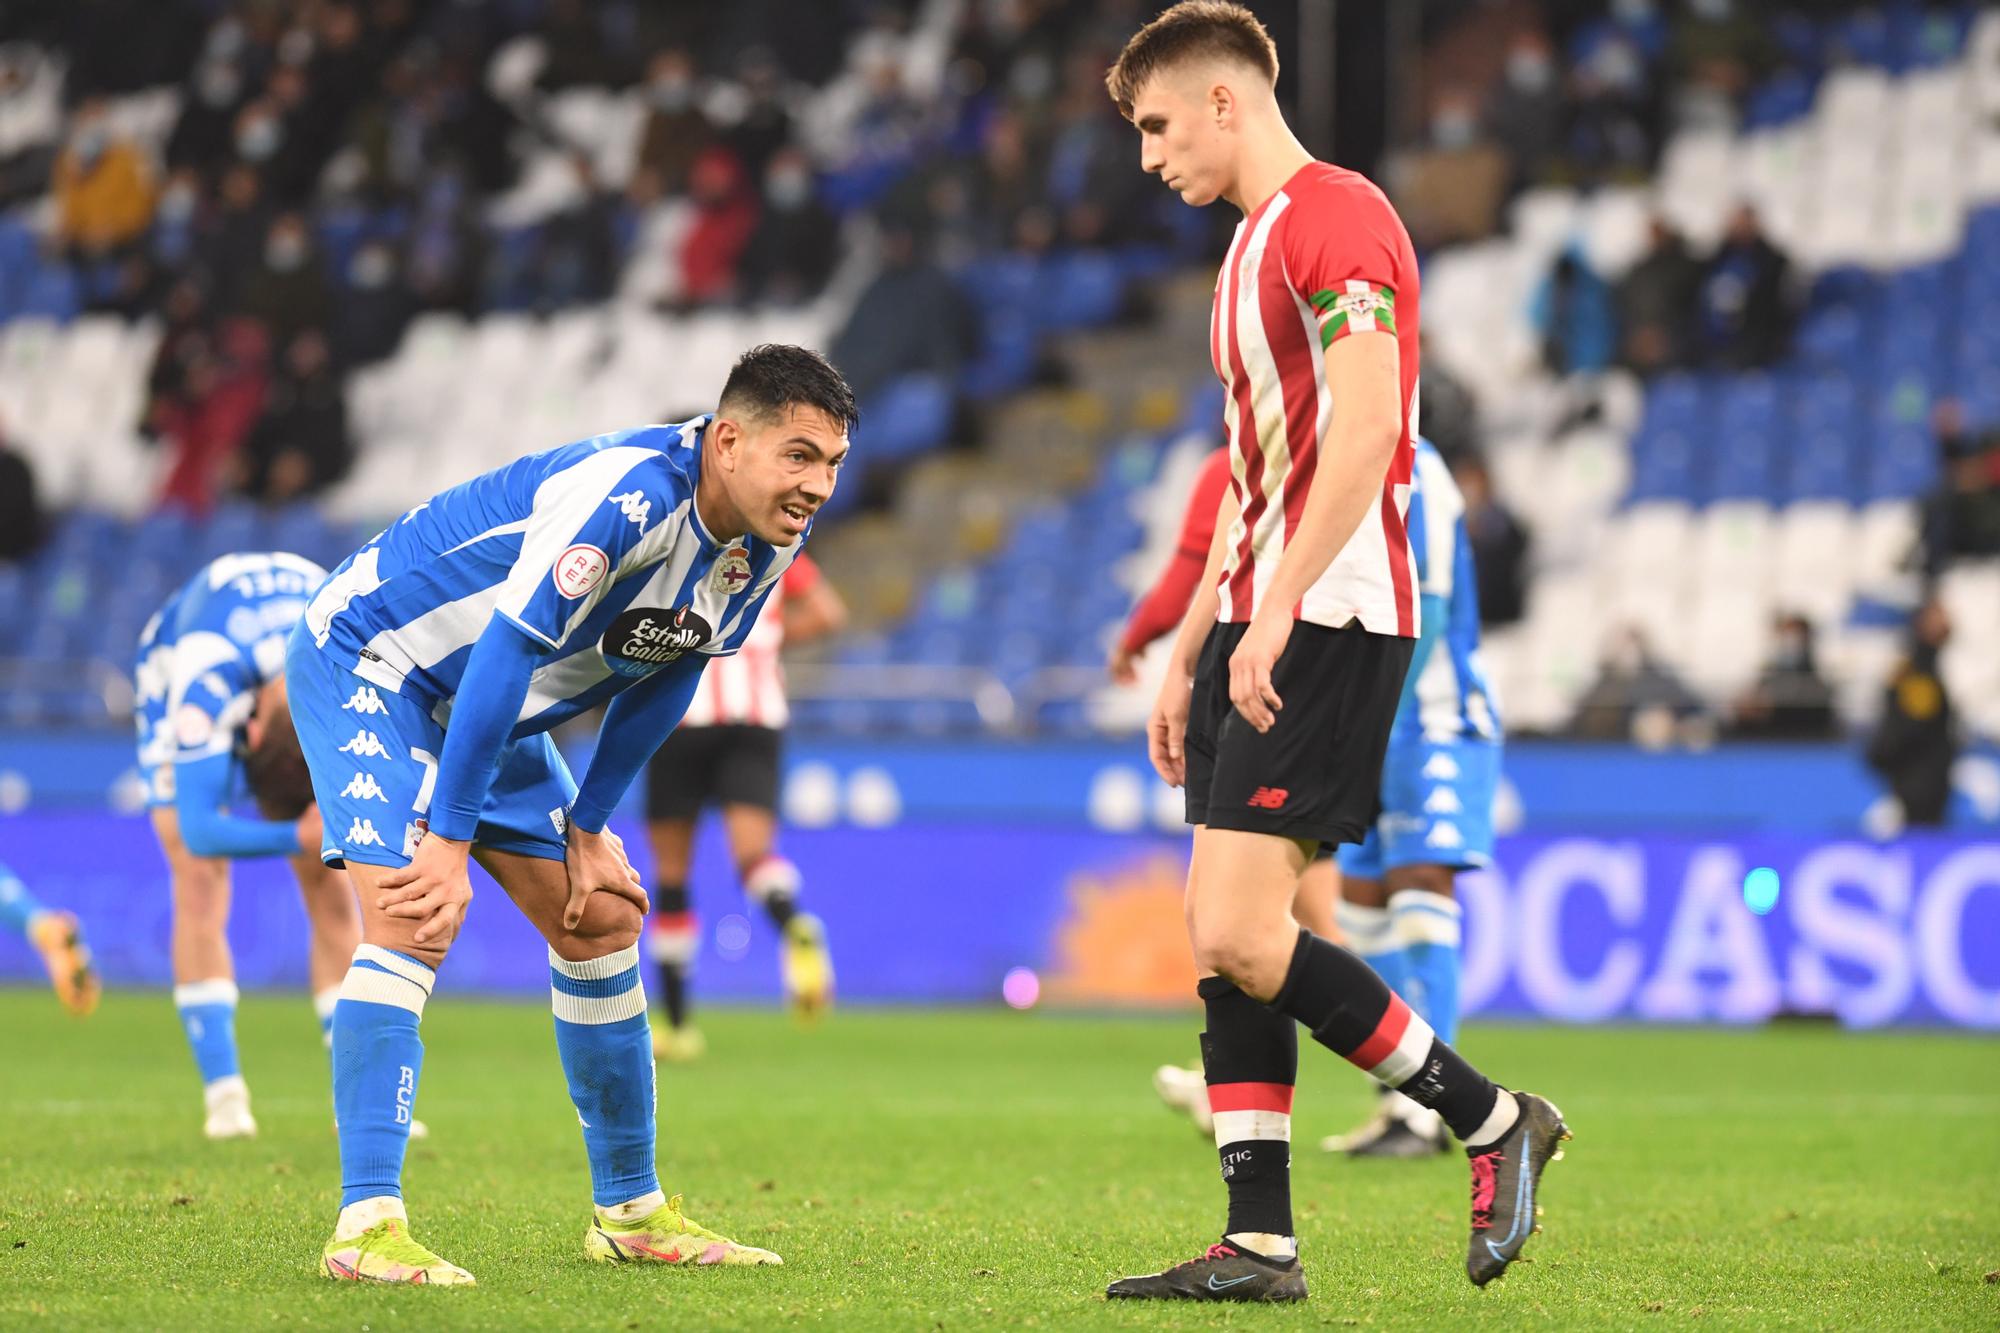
{"x": 732, "y": 572}
{"x": 640, "y": 642}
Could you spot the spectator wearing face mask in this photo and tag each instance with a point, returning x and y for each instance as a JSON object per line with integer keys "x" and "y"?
{"x": 791, "y": 254}
{"x": 1789, "y": 701}
{"x": 677, "y": 131}
{"x": 301, "y": 444}
{"x": 286, "y": 292}
{"x": 103, "y": 187}
{"x": 375, "y": 307}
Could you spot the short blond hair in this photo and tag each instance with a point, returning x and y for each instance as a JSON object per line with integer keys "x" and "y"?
{"x": 1191, "y": 30}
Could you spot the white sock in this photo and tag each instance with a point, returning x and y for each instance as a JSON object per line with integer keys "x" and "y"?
{"x": 633, "y": 1209}
{"x": 1266, "y": 1243}
{"x": 358, "y": 1217}
{"x": 227, "y": 1089}
{"x": 1501, "y": 1119}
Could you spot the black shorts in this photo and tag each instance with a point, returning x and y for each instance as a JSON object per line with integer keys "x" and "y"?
{"x": 1317, "y": 773}
{"x": 706, "y": 766}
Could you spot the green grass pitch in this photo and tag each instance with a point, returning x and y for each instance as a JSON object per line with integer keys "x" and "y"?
{"x": 986, "y": 1169}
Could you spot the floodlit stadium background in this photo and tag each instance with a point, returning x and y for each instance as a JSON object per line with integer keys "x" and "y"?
{"x": 272, "y": 273}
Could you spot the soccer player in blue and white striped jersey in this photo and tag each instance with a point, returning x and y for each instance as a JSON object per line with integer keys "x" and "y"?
{"x": 209, "y": 704}
{"x": 424, "y": 679}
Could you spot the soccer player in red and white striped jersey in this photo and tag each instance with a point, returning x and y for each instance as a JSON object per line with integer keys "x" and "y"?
{"x": 1286, "y": 673}
{"x": 726, "y": 753}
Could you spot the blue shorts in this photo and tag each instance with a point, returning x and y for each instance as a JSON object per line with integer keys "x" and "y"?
{"x": 1437, "y": 809}
{"x": 373, "y": 755}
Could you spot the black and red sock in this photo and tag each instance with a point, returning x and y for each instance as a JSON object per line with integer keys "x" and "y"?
{"x": 1349, "y": 1010}
{"x": 671, "y": 940}
{"x": 1250, "y": 1055}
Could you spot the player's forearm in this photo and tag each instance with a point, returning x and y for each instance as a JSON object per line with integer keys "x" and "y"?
{"x": 201, "y": 791}
{"x": 635, "y": 725}
{"x": 1353, "y": 459}
{"x": 1200, "y": 618}
{"x": 490, "y": 694}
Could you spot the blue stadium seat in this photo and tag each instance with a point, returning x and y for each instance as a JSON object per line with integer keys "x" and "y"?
{"x": 50, "y": 291}
{"x": 1781, "y": 99}
{"x": 1820, "y": 462}
{"x": 1008, "y": 349}
{"x": 911, "y": 415}
{"x": 1080, "y": 290}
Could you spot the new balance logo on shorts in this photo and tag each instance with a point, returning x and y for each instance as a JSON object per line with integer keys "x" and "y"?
{"x": 363, "y": 834}
{"x": 364, "y": 700}
{"x": 364, "y": 787}
{"x": 1269, "y": 798}
{"x": 366, "y": 745}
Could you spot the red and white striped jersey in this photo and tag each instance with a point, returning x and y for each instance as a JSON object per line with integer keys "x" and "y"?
{"x": 748, "y": 689}
{"x": 1324, "y": 257}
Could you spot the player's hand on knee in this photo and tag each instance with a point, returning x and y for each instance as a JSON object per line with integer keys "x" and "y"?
{"x": 596, "y": 863}
{"x": 434, "y": 889}
{"x": 1250, "y": 668}
{"x": 1166, "y": 729}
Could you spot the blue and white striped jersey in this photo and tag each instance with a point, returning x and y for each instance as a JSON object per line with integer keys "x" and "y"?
{"x": 594, "y": 549}
{"x": 1453, "y": 700}
{"x": 205, "y": 653}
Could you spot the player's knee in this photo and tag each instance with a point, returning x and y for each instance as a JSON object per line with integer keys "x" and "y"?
{"x": 201, "y": 894}
{"x": 609, "y": 924}
{"x": 400, "y": 935}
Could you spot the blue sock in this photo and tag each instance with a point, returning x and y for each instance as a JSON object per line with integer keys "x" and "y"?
{"x": 377, "y": 1056}
{"x": 17, "y": 906}
{"x": 1371, "y": 934}
{"x": 1428, "y": 926}
{"x": 208, "y": 1014}
{"x": 607, "y": 1055}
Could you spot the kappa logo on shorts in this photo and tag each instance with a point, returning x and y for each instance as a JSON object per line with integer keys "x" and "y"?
{"x": 1443, "y": 801}
{"x": 364, "y": 700}
{"x": 363, "y": 834}
{"x": 364, "y": 787}
{"x": 1444, "y": 835}
{"x": 366, "y": 745}
{"x": 1442, "y": 767}
{"x": 1269, "y": 798}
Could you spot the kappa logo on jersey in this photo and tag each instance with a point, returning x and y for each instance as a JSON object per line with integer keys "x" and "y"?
{"x": 364, "y": 787}
{"x": 579, "y": 569}
{"x": 363, "y": 834}
{"x": 640, "y": 642}
{"x": 366, "y": 745}
{"x": 1269, "y": 798}
{"x": 1441, "y": 768}
{"x": 731, "y": 572}
{"x": 365, "y": 701}
{"x": 1443, "y": 801}
{"x": 1444, "y": 835}
{"x": 634, "y": 505}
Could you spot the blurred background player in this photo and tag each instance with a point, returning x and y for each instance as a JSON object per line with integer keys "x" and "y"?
{"x": 211, "y": 715}
{"x": 726, "y": 753}
{"x": 58, "y": 938}
{"x": 1397, "y": 906}
{"x": 604, "y": 572}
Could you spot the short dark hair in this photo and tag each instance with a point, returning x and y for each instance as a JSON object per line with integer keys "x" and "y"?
{"x": 771, "y": 377}
{"x": 1191, "y": 30}
{"x": 276, "y": 769}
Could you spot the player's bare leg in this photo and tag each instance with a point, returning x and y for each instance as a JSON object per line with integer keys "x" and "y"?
{"x": 602, "y": 1034}
{"x": 205, "y": 992}
{"x": 1182, "y": 1087}
{"x": 773, "y": 883}
{"x": 673, "y": 936}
